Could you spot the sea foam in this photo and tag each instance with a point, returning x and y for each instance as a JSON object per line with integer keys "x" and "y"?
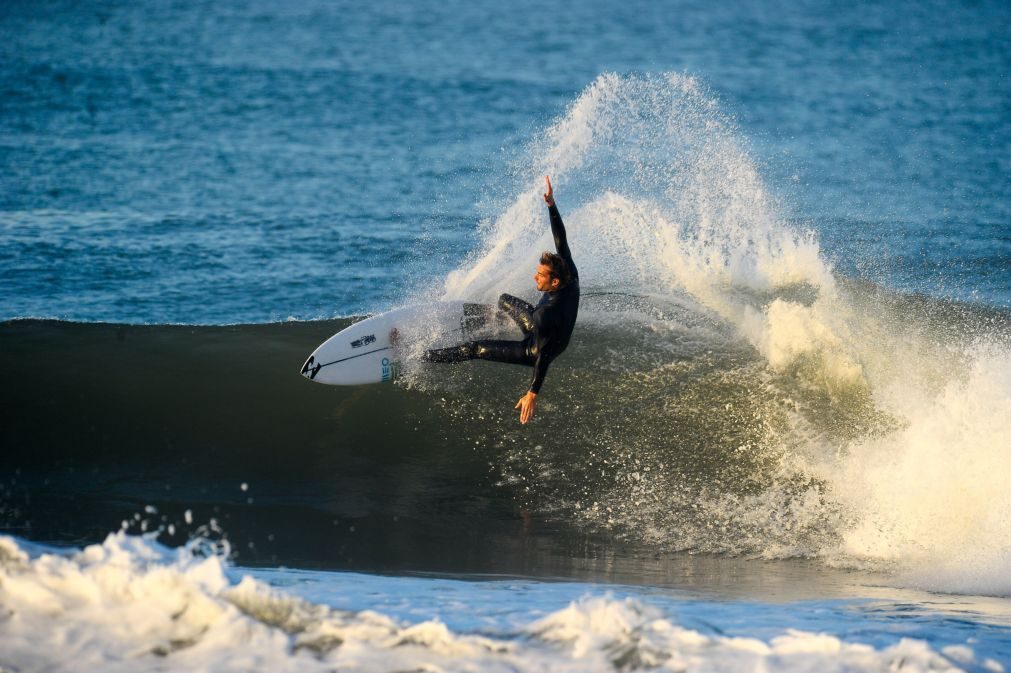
{"x": 131, "y": 604}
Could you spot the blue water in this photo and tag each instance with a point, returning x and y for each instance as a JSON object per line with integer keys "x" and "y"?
{"x": 217, "y": 163}
{"x": 198, "y": 163}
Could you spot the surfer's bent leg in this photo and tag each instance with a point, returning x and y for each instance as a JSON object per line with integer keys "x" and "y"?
{"x": 519, "y": 311}
{"x": 464, "y": 351}
{"x": 511, "y": 352}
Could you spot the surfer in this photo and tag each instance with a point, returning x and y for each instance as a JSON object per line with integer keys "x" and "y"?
{"x": 546, "y": 327}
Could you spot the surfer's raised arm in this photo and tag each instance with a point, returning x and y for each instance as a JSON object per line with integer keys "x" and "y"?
{"x": 558, "y": 229}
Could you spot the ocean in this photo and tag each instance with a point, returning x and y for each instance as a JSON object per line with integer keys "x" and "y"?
{"x": 780, "y": 438}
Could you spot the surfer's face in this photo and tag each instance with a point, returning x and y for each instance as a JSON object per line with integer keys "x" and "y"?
{"x": 545, "y": 282}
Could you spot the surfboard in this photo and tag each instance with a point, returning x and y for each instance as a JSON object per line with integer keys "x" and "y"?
{"x": 375, "y": 350}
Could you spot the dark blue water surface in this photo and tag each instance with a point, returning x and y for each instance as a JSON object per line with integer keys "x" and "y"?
{"x": 206, "y": 162}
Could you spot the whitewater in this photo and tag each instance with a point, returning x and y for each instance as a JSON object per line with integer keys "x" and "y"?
{"x": 130, "y": 603}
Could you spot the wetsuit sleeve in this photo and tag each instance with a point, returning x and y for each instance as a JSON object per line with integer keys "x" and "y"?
{"x": 561, "y": 241}
{"x": 540, "y": 370}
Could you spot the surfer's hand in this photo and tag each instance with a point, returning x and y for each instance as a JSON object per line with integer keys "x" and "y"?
{"x": 526, "y": 405}
{"x": 549, "y": 197}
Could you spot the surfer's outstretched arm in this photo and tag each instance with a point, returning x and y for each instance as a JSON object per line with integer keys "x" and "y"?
{"x": 528, "y": 403}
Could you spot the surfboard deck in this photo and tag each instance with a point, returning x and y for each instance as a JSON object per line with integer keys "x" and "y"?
{"x": 374, "y": 350}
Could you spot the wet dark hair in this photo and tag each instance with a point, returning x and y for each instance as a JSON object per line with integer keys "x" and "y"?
{"x": 559, "y": 268}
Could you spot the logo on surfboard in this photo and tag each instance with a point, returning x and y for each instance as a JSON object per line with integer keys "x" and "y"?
{"x": 391, "y": 370}
{"x": 364, "y": 341}
{"x": 311, "y": 367}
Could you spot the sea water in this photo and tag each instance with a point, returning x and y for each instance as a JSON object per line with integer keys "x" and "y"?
{"x": 779, "y": 439}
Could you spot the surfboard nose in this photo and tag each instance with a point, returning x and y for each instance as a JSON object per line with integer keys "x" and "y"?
{"x": 310, "y": 368}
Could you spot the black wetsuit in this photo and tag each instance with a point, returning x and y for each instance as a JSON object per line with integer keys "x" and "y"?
{"x": 546, "y": 327}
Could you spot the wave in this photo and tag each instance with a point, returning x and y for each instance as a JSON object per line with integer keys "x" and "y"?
{"x": 873, "y": 428}
{"x": 661, "y": 427}
{"x": 725, "y": 391}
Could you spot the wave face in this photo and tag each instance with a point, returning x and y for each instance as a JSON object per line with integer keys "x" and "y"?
{"x": 725, "y": 392}
{"x": 663, "y": 430}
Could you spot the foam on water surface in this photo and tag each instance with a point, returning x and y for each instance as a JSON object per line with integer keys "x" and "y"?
{"x": 130, "y": 602}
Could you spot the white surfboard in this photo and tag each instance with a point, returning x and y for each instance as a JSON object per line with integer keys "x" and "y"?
{"x": 375, "y": 349}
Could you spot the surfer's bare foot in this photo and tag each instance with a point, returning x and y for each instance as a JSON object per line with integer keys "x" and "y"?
{"x": 395, "y": 344}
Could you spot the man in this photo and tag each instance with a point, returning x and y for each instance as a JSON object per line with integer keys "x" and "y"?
{"x": 546, "y": 327}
